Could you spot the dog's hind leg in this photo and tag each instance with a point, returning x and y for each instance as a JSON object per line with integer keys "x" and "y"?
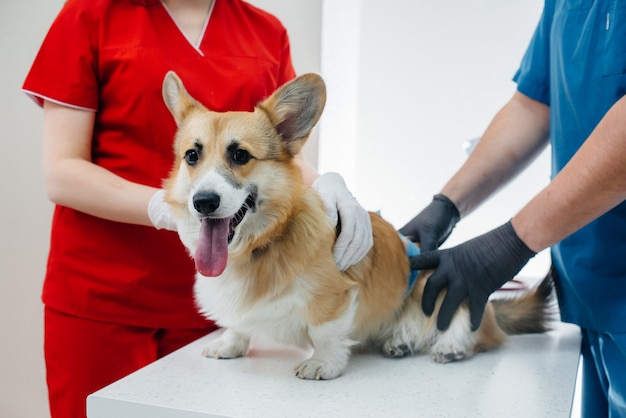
{"x": 457, "y": 342}
{"x": 412, "y": 333}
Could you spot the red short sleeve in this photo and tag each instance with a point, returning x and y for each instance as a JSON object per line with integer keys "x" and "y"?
{"x": 65, "y": 69}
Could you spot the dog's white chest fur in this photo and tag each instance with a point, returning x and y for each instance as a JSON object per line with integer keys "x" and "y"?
{"x": 281, "y": 318}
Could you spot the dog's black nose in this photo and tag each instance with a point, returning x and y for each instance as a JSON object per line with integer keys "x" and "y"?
{"x": 206, "y": 202}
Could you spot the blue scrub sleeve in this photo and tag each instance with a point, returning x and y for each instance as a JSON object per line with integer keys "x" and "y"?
{"x": 533, "y": 76}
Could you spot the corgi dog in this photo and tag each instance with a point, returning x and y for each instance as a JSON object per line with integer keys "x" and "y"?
{"x": 263, "y": 246}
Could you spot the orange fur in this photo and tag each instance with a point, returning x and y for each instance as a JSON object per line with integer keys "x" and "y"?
{"x": 281, "y": 279}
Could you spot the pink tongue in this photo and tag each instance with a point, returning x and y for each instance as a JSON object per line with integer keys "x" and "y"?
{"x": 212, "y": 251}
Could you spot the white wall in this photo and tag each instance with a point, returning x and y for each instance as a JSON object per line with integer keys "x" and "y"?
{"x": 302, "y": 18}
{"x": 25, "y": 215}
{"x": 409, "y": 82}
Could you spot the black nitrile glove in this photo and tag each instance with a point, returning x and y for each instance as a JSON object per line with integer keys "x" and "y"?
{"x": 474, "y": 269}
{"x": 433, "y": 224}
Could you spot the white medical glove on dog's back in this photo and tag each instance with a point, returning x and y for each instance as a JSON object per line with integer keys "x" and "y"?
{"x": 355, "y": 237}
{"x": 160, "y": 212}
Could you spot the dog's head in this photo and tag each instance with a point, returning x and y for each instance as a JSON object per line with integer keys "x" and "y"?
{"x": 234, "y": 177}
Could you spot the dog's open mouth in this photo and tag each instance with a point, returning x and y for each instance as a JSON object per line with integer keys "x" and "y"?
{"x": 215, "y": 234}
{"x": 238, "y": 217}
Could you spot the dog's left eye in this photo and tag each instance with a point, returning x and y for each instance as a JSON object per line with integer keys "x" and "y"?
{"x": 241, "y": 156}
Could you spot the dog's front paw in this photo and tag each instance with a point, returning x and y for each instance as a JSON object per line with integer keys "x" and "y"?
{"x": 220, "y": 350}
{"x": 316, "y": 369}
{"x": 447, "y": 356}
{"x": 227, "y": 346}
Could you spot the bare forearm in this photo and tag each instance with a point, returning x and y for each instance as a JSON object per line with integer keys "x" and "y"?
{"x": 592, "y": 183}
{"x": 73, "y": 180}
{"x": 517, "y": 134}
{"x": 88, "y": 188}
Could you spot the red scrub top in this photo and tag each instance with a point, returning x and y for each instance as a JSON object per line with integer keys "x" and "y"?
{"x": 110, "y": 56}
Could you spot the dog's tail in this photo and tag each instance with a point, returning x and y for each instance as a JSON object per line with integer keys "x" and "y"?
{"x": 532, "y": 312}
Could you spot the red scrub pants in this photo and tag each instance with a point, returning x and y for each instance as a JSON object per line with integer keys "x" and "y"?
{"x": 82, "y": 356}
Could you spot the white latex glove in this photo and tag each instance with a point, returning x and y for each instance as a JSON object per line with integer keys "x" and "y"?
{"x": 160, "y": 212}
{"x": 355, "y": 238}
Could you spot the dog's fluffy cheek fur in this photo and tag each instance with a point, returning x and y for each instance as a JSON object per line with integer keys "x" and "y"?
{"x": 273, "y": 200}
{"x": 177, "y": 189}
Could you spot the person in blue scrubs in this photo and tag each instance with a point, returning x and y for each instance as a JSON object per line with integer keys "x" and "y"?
{"x": 570, "y": 94}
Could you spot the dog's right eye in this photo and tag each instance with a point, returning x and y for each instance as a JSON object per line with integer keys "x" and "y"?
{"x": 192, "y": 157}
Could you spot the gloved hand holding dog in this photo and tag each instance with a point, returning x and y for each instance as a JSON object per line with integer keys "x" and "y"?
{"x": 473, "y": 270}
{"x": 432, "y": 226}
{"x": 355, "y": 237}
{"x": 160, "y": 212}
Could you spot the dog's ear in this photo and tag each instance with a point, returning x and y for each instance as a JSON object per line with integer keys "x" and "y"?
{"x": 295, "y": 108}
{"x": 176, "y": 98}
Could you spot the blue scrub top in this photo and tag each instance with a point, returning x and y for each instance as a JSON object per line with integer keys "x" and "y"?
{"x": 576, "y": 64}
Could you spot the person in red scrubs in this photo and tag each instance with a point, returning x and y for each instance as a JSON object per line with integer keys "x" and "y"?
{"x": 118, "y": 286}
